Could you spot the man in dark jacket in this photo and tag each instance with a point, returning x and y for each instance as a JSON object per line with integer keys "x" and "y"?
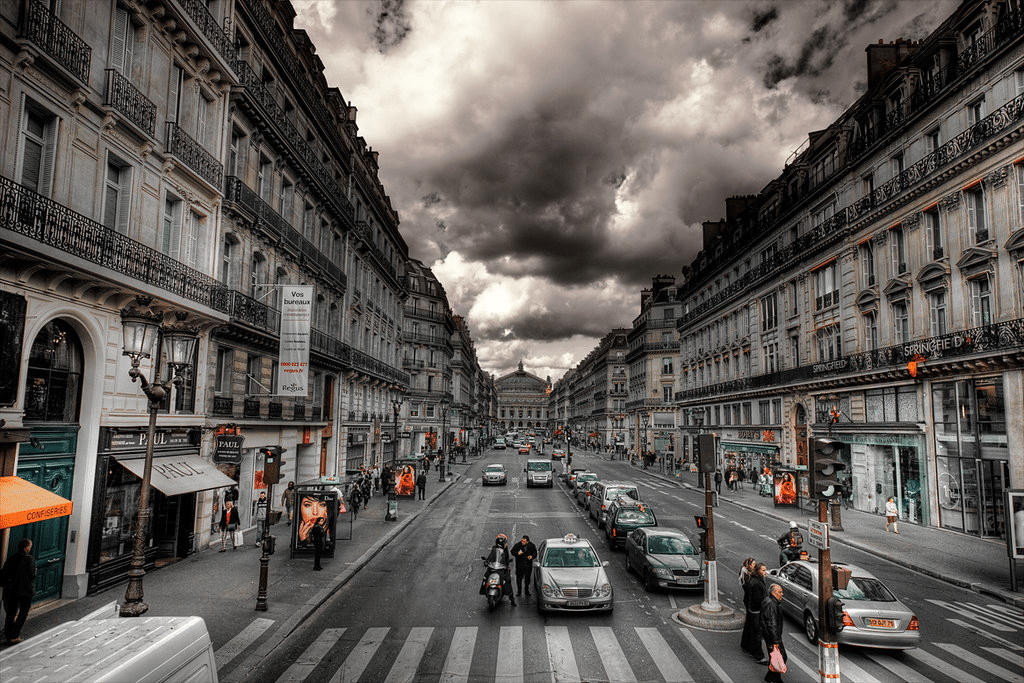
{"x": 771, "y": 628}
{"x": 524, "y": 552}
{"x": 19, "y": 575}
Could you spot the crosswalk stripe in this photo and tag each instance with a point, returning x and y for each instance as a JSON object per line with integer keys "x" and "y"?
{"x": 664, "y": 658}
{"x": 973, "y": 628}
{"x": 968, "y": 611}
{"x": 354, "y": 665}
{"x": 307, "y": 661}
{"x": 977, "y": 661}
{"x": 708, "y": 659}
{"x": 1011, "y": 620}
{"x": 1005, "y": 654}
{"x": 899, "y": 669}
{"x": 510, "y": 655}
{"x": 460, "y": 655}
{"x": 792, "y": 660}
{"x": 560, "y": 655}
{"x": 244, "y": 639}
{"x": 404, "y": 668}
{"x": 616, "y": 666}
{"x": 940, "y": 665}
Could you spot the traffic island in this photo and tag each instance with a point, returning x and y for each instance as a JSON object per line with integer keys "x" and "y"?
{"x": 725, "y": 619}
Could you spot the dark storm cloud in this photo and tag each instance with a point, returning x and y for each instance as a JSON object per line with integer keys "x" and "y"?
{"x": 392, "y": 24}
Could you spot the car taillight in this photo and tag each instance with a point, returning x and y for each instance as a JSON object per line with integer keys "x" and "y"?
{"x": 847, "y": 621}
{"x": 913, "y": 625}
{"x": 615, "y": 532}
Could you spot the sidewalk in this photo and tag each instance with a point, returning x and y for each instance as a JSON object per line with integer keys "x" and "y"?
{"x": 960, "y": 559}
{"x": 222, "y": 587}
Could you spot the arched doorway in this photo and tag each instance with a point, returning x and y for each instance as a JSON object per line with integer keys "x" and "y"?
{"x": 53, "y": 392}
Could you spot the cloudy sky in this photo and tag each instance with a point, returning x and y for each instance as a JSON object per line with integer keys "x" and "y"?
{"x": 549, "y": 157}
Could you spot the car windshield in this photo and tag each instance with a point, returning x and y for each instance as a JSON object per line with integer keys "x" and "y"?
{"x": 862, "y": 588}
{"x": 582, "y": 556}
{"x": 538, "y": 466}
{"x": 587, "y": 477}
{"x": 669, "y": 545}
{"x": 497, "y": 469}
{"x": 635, "y": 516}
{"x": 616, "y": 491}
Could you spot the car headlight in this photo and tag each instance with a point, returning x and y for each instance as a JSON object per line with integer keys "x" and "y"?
{"x": 550, "y": 591}
{"x": 663, "y": 572}
{"x": 605, "y": 591}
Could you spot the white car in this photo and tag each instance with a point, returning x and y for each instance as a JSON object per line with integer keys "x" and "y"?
{"x": 495, "y": 474}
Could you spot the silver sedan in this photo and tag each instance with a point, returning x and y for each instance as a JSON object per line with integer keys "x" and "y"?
{"x": 495, "y": 474}
{"x": 568, "y": 576}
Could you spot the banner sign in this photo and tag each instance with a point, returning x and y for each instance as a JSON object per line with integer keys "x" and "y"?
{"x": 229, "y": 448}
{"x": 293, "y": 361}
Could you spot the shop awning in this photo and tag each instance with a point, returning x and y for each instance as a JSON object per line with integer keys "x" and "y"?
{"x": 749, "y": 448}
{"x": 174, "y": 475}
{"x": 22, "y": 502}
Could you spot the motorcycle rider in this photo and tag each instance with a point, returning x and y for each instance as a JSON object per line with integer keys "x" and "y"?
{"x": 790, "y": 543}
{"x": 500, "y": 555}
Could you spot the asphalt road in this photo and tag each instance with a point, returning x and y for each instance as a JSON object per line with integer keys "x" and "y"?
{"x": 414, "y": 613}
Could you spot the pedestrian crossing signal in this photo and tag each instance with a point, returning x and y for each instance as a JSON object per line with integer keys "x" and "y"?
{"x": 825, "y": 468}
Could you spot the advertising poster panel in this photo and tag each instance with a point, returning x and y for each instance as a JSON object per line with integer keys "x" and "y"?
{"x": 785, "y": 487}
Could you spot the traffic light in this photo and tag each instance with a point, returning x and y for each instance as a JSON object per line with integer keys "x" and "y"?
{"x": 706, "y": 452}
{"x": 702, "y": 537}
{"x": 273, "y": 464}
{"x": 825, "y": 468}
{"x": 834, "y": 614}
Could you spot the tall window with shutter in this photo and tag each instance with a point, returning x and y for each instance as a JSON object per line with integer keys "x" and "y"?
{"x": 117, "y": 192}
{"x": 38, "y": 146}
{"x": 122, "y": 46}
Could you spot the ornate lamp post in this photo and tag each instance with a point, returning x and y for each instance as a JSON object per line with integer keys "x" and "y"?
{"x": 646, "y": 419}
{"x": 141, "y": 330}
{"x": 397, "y": 398}
{"x": 443, "y": 465}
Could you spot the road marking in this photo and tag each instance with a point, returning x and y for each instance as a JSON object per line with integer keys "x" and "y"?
{"x": 460, "y": 655}
{"x": 510, "y": 655}
{"x": 404, "y": 668}
{"x": 307, "y": 661}
{"x": 813, "y": 673}
{"x": 695, "y": 644}
{"x": 977, "y": 661}
{"x": 1000, "y": 652}
{"x": 982, "y": 632}
{"x": 947, "y": 669}
{"x": 560, "y": 655}
{"x": 899, "y": 669}
{"x": 971, "y": 612}
{"x": 354, "y": 665}
{"x": 741, "y": 526}
{"x": 234, "y": 647}
{"x": 616, "y": 665}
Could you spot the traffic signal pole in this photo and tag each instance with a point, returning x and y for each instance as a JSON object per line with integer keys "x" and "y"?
{"x": 828, "y": 648}
{"x": 711, "y": 603}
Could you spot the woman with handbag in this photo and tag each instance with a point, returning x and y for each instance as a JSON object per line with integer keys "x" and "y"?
{"x": 771, "y": 631}
{"x": 229, "y": 526}
{"x": 754, "y": 592}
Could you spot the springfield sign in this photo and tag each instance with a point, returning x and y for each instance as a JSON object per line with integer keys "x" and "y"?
{"x": 293, "y": 361}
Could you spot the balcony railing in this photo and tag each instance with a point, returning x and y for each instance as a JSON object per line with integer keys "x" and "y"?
{"x": 251, "y": 407}
{"x": 57, "y": 40}
{"x": 44, "y": 220}
{"x": 206, "y": 22}
{"x": 184, "y": 146}
{"x": 129, "y": 101}
{"x": 223, "y": 405}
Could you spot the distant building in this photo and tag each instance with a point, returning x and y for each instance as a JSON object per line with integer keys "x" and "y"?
{"x": 522, "y": 401}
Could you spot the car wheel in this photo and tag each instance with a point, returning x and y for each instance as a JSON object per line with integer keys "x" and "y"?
{"x": 810, "y": 628}
{"x": 650, "y": 585}
{"x": 629, "y": 565}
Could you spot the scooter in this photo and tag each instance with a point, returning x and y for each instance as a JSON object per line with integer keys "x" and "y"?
{"x": 494, "y": 582}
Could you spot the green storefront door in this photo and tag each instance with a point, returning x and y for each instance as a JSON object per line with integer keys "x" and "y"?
{"x": 51, "y": 466}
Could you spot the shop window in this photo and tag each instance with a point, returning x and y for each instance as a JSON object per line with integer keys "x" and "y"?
{"x": 53, "y": 383}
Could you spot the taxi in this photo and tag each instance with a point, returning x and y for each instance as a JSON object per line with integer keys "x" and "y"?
{"x": 568, "y": 576}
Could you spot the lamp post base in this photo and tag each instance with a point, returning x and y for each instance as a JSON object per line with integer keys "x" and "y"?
{"x": 133, "y": 609}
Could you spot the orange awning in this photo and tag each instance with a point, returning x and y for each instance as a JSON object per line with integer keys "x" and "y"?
{"x": 22, "y": 502}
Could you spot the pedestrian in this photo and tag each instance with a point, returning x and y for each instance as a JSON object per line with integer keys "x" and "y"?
{"x": 288, "y": 500}
{"x": 376, "y": 477}
{"x": 421, "y": 485}
{"x": 317, "y": 536}
{"x": 718, "y": 481}
{"x": 356, "y": 499}
{"x": 754, "y": 592}
{"x": 367, "y": 491}
{"x": 229, "y": 523}
{"x": 523, "y": 553}
{"x": 892, "y": 515}
{"x": 260, "y": 516}
{"x": 771, "y": 629}
{"x": 19, "y": 583}
{"x": 740, "y": 476}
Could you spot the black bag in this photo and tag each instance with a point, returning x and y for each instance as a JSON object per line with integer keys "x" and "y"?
{"x": 6, "y": 581}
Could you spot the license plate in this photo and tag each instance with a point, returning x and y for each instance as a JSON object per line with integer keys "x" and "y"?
{"x": 579, "y": 603}
{"x": 881, "y": 623}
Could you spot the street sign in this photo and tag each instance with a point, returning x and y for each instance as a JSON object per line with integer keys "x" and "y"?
{"x": 817, "y": 533}
{"x": 385, "y": 437}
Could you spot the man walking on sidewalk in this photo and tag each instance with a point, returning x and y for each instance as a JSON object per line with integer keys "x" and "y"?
{"x": 260, "y": 516}
{"x": 19, "y": 581}
{"x": 421, "y": 485}
{"x": 288, "y": 500}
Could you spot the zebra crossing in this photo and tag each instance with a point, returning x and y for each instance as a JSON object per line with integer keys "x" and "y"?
{"x": 572, "y": 654}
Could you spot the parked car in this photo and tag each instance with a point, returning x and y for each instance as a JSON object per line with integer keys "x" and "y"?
{"x": 558, "y": 454}
{"x": 570, "y": 477}
{"x": 664, "y": 557}
{"x": 873, "y": 616}
{"x": 625, "y": 515}
{"x": 605, "y": 494}
{"x": 569, "y": 576}
{"x": 495, "y": 474}
{"x": 582, "y": 489}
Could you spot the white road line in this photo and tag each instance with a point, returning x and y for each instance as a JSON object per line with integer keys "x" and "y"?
{"x": 1011, "y": 620}
{"x": 560, "y": 655}
{"x": 353, "y": 666}
{"x": 231, "y": 649}
{"x": 695, "y": 644}
{"x": 742, "y": 526}
{"x": 977, "y": 661}
{"x": 404, "y": 668}
{"x": 313, "y": 655}
{"x": 616, "y": 665}
{"x": 1005, "y": 654}
{"x": 966, "y": 610}
{"x": 947, "y": 669}
{"x": 813, "y": 673}
{"x": 509, "y": 667}
{"x": 460, "y": 655}
{"x": 982, "y": 632}
{"x": 897, "y": 668}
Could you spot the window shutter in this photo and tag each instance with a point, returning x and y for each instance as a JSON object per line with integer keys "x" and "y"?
{"x": 190, "y": 238}
{"x": 173, "y": 212}
{"x": 125, "y": 201}
{"x": 174, "y": 97}
{"x": 117, "y": 49}
{"x": 49, "y": 152}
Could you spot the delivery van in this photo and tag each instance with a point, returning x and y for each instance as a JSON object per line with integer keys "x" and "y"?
{"x": 538, "y": 473}
{"x": 499, "y": 442}
{"x": 144, "y": 649}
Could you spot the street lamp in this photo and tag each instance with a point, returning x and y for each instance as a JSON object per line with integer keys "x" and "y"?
{"x": 141, "y": 330}
{"x": 397, "y": 398}
{"x": 444, "y": 436}
{"x": 646, "y": 419}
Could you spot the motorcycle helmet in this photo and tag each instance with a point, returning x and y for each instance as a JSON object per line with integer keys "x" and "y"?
{"x": 792, "y": 525}
{"x": 501, "y": 540}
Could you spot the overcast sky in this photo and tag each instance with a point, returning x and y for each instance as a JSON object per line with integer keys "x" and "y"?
{"x": 547, "y": 158}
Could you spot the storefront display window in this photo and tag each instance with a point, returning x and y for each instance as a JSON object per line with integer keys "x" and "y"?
{"x": 889, "y": 465}
{"x": 121, "y": 509}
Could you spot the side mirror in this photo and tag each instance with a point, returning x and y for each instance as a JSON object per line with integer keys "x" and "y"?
{"x": 605, "y": 563}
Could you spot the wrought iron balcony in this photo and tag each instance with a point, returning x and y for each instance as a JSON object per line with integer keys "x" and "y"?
{"x": 251, "y": 408}
{"x": 210, "y": 28}
{"x": 40, "y": 218}
{"x": 124, "y": 97}
{"x": 185, "y": 147}
{"x": 55, "y": 39}
{"x": 223, "y": 405}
